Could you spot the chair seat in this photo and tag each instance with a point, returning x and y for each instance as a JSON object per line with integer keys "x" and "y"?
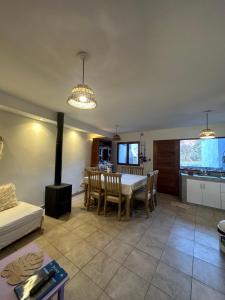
{"x": 96, "y": 194}
{"x": 114, "y": 199}
{"x": 140, "y": 195}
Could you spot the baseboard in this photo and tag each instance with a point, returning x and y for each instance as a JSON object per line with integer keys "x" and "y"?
{"x": 77, "y": 193}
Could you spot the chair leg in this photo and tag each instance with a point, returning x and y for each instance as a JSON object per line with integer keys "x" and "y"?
{"x": 88, "y": 202}
{"x": 155, "y": 200}
{"x": 147, "y": 208}
{"x": 105, "y": 206}
{"x": 119, "y": 211}
{"x": 151, "y": 206}
{"x": 99, "y": 205}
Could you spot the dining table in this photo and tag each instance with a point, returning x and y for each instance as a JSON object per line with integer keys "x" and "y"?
{"x": 130, "y": 183}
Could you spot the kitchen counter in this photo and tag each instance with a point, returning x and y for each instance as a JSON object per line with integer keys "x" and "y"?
{"x": 183, "y": 182}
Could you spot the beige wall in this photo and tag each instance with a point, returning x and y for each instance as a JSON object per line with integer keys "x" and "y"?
{"x": 164, "y": 134}
{"x": 29, "y": 153}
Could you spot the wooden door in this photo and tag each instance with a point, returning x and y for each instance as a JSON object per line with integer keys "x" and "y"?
{"x": 166, "y": 159}
{"x": 95, "y": 153}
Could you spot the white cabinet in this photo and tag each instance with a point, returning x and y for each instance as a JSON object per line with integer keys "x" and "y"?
{"x": 211, "y": 194}
{"x": 194, "y": 191}
{"x": 204, "y": 192}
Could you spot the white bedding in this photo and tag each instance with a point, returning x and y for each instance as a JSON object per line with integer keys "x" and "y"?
{"x": 18, "y": 221}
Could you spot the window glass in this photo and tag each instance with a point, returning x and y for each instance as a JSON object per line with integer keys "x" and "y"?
{"x": 122, "y": 153}
{"x": 133, "y": 154}
{"x": 208, "y": 153}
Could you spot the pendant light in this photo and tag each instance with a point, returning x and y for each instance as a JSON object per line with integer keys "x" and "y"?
{"x": 116, "y": 136}
{"x": 207, "y": 133}
{"x": 82, "y": 95}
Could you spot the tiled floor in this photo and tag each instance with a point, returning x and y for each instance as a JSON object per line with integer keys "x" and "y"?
{"x": 172, "y": 255}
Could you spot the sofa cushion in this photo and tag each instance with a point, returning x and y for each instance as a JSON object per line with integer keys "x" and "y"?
{"x": 7, "y": 196}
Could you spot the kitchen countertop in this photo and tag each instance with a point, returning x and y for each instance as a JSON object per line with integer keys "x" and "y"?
{"x": 203, "y": 177}
{"x": 183, "y": 182}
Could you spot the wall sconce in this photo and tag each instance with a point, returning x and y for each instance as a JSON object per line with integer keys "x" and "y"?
{"x": 1, "y": 146}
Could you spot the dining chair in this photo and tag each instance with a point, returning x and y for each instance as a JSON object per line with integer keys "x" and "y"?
{"x": 137, "y": 170}
{"x": 113, "y": 191}
{"x": 156, "y": 174}
{"x": 146, "y": 195}
{"x": 86, "y": 170}
{"x": 94, "y": 189}
{"x": 125, "y": 169}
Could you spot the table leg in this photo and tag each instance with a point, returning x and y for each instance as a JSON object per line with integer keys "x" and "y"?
{"x": 128, "y": 198}
{"x": 61, "y": 293}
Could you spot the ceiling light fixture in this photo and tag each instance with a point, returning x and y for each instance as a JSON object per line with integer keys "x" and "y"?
{"x": 207, "y": 133}
{"x": 82, "y": 95}
{"x": 116, "y": 136}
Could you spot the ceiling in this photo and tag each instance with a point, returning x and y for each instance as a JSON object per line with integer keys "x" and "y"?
{"x": 153, "y": 63}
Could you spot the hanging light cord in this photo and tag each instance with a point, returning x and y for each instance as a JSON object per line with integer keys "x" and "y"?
{"x": 83, "y": 72}
{"x": 207, "y": 120}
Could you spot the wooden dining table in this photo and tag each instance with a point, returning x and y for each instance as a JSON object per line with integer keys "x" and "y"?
{"x": 130, "y": 183}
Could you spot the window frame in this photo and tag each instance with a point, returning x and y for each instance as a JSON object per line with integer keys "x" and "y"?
{"x": 127, "y": 154}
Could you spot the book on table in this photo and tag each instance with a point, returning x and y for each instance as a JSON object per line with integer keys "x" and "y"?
{"x": 41, "y": 283}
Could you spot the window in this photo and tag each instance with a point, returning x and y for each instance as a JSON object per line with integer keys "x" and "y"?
{"x": 128, "y": 153}
{"x": 208, "y": 153}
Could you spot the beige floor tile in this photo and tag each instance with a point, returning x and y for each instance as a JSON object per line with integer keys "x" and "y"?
{"x": 183, "y": 231}
{"x": 208, "y": 240}
{"x": 209, "y": 274}
{"x": 101, "y": 269}
{"x": 210, "y": 255}
{"x": 99, "y": 239}
{"x": 104, "y": 296}
{"x": 130, "y": 236}
{"x": 178, "y": 260}
{"x": 182, "y": 244}
{"x": 126, "y": 285}
{"x": 84, "y": 230}
{"x": 141, "y": 264}
{"x": 151, "y": 245}
{"x": 66, "y": 243}
{"x": 173, "y": 282}
{"x": 81, "y": 254}
{"x": 118, "y": 250}
{"x": 67, "y": 265}
{"x": 156, "y": 294}
{"x": 203, "y": 292}
{"x": 52, "y": 252}
{"x": 55, "y": 233}
{"x": 82, "y": 287}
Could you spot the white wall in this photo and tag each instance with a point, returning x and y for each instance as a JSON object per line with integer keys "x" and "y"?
{"x": 165, "y": 134}
{"x": 29, "y": 154}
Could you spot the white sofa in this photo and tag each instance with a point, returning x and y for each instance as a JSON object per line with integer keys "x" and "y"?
{"x": 18, "y": 221}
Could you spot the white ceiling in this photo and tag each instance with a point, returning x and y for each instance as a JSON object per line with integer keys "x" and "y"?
{"x": 153, "y": 63}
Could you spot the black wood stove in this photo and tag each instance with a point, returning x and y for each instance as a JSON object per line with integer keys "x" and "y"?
{"x": 59, "y": 195}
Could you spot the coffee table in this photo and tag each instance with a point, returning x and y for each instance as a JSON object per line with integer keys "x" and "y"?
{"x": 7, "y": 291}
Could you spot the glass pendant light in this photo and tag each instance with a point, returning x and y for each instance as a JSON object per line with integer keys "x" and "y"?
{"x": 207, "y": 133}
{"x": 82, "y": 96}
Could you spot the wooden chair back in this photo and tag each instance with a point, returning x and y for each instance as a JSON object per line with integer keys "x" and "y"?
{"x": 137, "y": 170}
{"x": 156, "y": 174}
{"x": 125, "y": 169}
{"x": 112, "y": 183}
{"x": 94, "y": 181}
{"x": 88, "y": 169}
{"x": 132, "y": 170}
{"x": 149, "y": 185}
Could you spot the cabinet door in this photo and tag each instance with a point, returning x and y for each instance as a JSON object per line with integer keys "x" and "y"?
{"x": 194, "y": 191}
{"x": 211, "y": 194}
